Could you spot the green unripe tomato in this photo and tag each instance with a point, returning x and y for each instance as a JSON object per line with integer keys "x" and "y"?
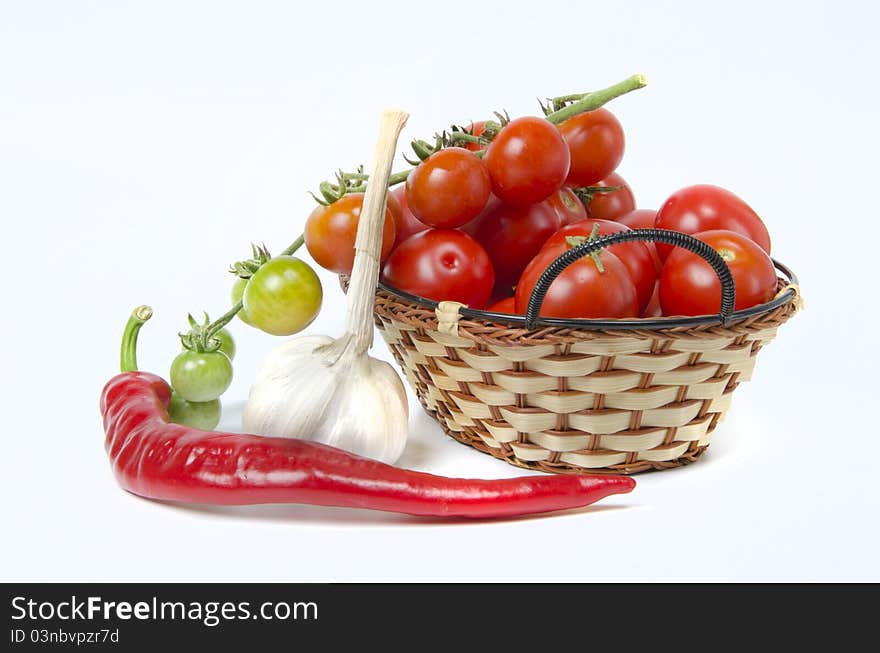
{"x": 203, "y": 415}
{"x": 237, "y": 291}
{"x": 201, "y": 376}
{"x": 227, "y": 343}
{"x": 283, "y": 296}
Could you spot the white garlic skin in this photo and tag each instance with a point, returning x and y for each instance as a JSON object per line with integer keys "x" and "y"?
{"x": 358, "y": 403}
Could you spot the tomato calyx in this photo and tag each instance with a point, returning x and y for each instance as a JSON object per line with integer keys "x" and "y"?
{"x": 586, "y": 193}
{"x": 577, "y": 241}
{"x": 245, "y": 269}
{"x": 201, "y": 337}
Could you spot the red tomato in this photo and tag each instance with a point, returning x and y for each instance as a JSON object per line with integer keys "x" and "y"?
{"x": 567, "y": 206}
{"x": 442, "y": 264}
{"x": 449, "y": 188}
{"x": 653, "y": 308}
{"x": 512, "y": 235}
{"x": 580, "y": 290}
{"x": 635, "y": 255}
{"x": 703, "y": 208}
{"x": 507, "y": 305}
{"x": 528, "y": 160}
{"x": 596, "y": 142}
{"x": 330, "y": 232}
{"x": 689, "y": 286}
{"x": 643, "y": 219}
{"x": 611, "y": 205}
{"x": 407, "y": 224}
{"x": 476, "y": 128}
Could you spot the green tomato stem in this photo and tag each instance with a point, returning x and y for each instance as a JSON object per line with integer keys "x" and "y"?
{"x": 128, "y": 350}
{"x": 595, "y": 99}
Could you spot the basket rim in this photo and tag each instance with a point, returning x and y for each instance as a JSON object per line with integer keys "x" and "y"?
{"x": 787, "y": 295}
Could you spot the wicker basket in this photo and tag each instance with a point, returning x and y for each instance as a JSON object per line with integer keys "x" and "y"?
{"x": 568, "y": 396}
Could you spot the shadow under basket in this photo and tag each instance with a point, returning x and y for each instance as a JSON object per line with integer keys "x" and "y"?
{"x": 576, "y": 395}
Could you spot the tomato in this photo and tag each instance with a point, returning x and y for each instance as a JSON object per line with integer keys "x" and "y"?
{"x": 235, "y": 295}
{"x": 580, "y": 290}
{"x": 442, "y": 264}
{"x": 283, "y": 296}
{"x": 596, "y": 142}
{"x": 634, "y": 255}
{"x": 613, "y": 204}
{"x": 653, "y": 308}
{"x": 567, "y": 206}
{"x": 705, "y": 207}
{"x": 643, "y": 219}
{"x": 507, "y": 305}
{"x": 528, "y": 161}
{"x": 406, "y": 224}
{"x": 512, "y": 235}
{"x": 204, "y": 415}
{"x": 476, "y": 129}
{"x": 200, "y": 376}
{"x": 330, "y": 233}
{"x": 449, "y": 188}
{"x": 227, "y": 344}
{"x": 689, "y": 286}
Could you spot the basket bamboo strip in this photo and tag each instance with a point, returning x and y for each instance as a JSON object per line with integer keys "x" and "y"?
{"x": 561, "y": 399}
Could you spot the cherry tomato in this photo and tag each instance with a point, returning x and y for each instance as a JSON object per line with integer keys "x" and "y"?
{"x": 227, "y": 343}
{"x": 512, "y": 235}
{"x": 704, "y": 207}
{"x": 689, "y": 286}
{"x": 200, "y": 376}
{"x": 613, "y": 204}
{"x": 406, "y": 224}
{"x": 449, "y": 188}
{"x": 330, "y": 233}
{"x": 643, "y": 219}
{"x": 580, "y": 290}
{"x": 507, "y": 305}
{"x": 596, "y": 142}
{"x": 283, "y": 296}
{"x": 204, "y": 415}
{"x": 653, "y": 308}
{"x": 476, "y": 128}
{"x": 634, "y": 255}
{"x": 567, "y": 206}
{"x": 442, "y": 264}
{"x": 528, "y": 160}
{"x": 235, "y": 295}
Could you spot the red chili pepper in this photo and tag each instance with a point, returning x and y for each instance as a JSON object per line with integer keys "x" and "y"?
{"x": 154, "y": 458}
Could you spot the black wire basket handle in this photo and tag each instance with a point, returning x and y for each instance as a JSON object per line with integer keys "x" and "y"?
{"x": 713, "y": 258}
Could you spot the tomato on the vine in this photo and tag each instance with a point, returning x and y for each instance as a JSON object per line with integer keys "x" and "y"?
{"x": 596, "y": 141}
{"x": 200, "y": 375}
{"x": 442, "y": 264}
{"x": 512, "y": 235}
{"x": 449, "y": 188}
{"x": 612, "y": 204}
{"x": 406, "y": 223}
{"x": 476, "y": 129}
{"x": 527, "y": 161}
{"x": 689, "y": 285}
{"x": 204, "y": 415}
{"x": 581, "y": 290}
{"x": 634, "y": 255}
{"x": 567, "y": 206}
{"x": 283, "y": 296}
{"x": 330, "y": 233}
{"x": 705, "y": 207}
{"x": 235, "y": 295}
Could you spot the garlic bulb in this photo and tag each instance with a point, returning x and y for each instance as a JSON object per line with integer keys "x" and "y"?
{"x": 332, "y": 391}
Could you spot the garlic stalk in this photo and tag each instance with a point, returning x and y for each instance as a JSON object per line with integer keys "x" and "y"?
{"x": 332, "y": 391}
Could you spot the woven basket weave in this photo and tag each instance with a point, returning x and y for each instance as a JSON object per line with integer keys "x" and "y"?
{"x": 602, "y": 396}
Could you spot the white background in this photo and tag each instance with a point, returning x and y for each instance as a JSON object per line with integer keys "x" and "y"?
{"x": 144, "y": 145}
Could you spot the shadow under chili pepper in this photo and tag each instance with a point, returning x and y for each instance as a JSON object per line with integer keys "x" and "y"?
{"x": 335, "y": 516}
